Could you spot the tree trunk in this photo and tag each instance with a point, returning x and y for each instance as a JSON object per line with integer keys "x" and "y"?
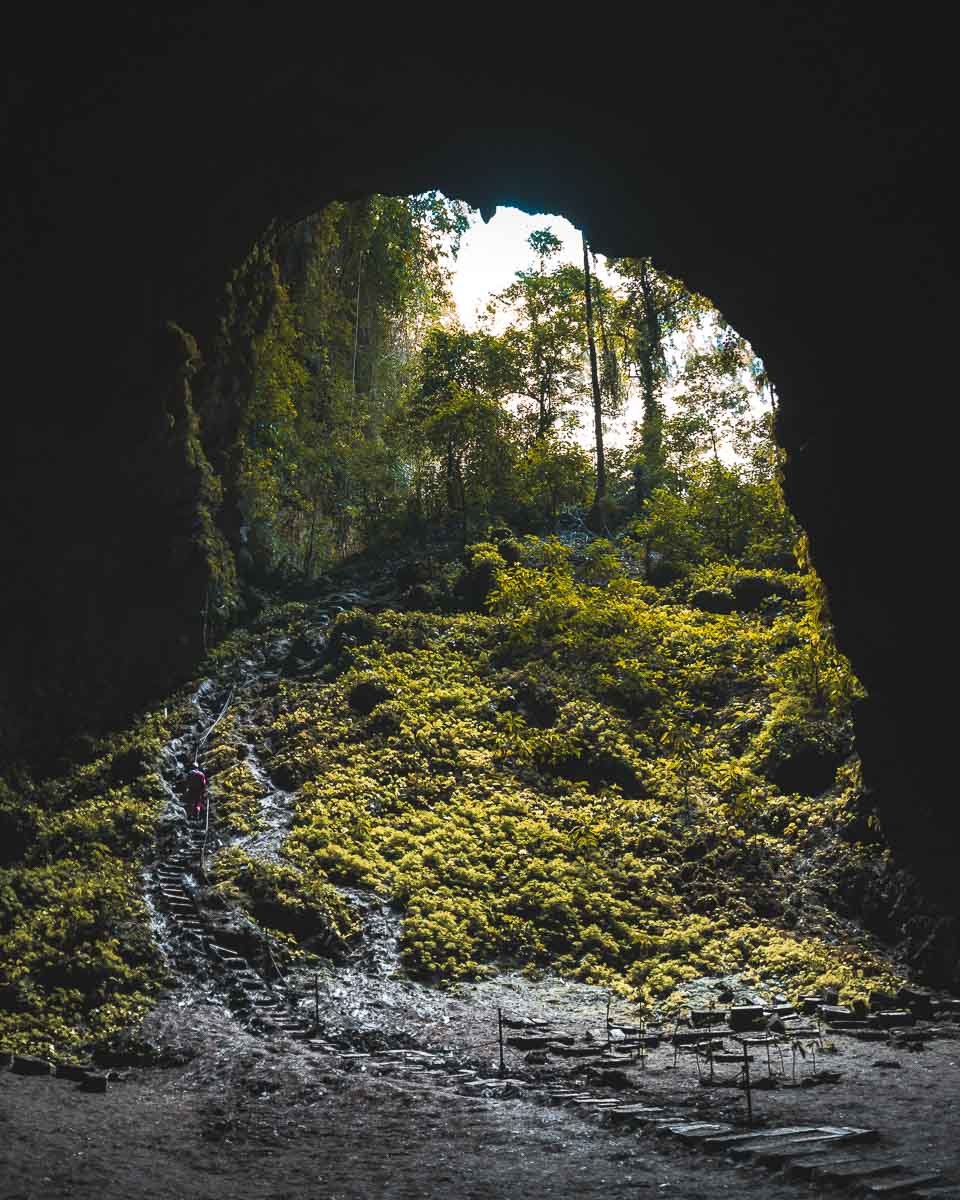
{"x": 594, "y": 379}
{"x": 651, "y": 426}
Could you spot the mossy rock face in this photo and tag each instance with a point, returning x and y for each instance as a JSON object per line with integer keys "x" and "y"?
{"x": 712, "y": 600}
{"x": 412, "y": 573}
{"x": 130, "y": 764}
{"x": 475, "y": 585}
{"x": 365, "y": 696}
{"x": 350, "y": 630}
{"x": 538, "y": 705}
{"x": 752, "y": 592}
{"x": 418, "y": 598}
{"x": 808, "y": 768}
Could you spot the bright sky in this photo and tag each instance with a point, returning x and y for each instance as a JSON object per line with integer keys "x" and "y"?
{"x": 492, "y": 253}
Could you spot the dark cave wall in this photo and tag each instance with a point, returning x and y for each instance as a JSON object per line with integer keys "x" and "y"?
{"x": 789, "y": 163}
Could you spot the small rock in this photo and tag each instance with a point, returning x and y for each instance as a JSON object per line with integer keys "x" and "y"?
{"x": 95, "y": 1084}
{"x": 745, "y": 1016}
{"x": 890, "y": 1020}
{"x": 880, "y": 1000}
{"x": 889, "y": 1064}
{"x": 71, "y": 1071}
{"x": 834, "y": 1012}
{"x": 29, "y": 1064}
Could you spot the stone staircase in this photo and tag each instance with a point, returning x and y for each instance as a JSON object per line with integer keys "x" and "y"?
{"x": 263, "y": 1006}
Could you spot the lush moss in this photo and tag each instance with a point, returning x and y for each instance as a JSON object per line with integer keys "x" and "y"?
{"x": 285, "y": 899}
{"x": 77, "y": 957}
{"x": 579, "y": 777}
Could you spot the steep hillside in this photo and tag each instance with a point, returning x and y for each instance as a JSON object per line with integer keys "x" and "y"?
{"x": 540, "y": 760}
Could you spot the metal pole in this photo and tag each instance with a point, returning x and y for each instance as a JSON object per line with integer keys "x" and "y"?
{"x": 746, "y": 1083}
{"x": 316, "y": 1000}
{"x": 503, "y": 1065}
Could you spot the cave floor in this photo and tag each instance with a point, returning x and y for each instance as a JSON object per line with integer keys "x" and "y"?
{"x": 270, "y": 1116}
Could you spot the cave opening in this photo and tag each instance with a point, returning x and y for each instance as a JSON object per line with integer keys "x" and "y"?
{"x": 633, "y": 693}
{"x": 841, "y": 199}
{"x": 410, "y": 361}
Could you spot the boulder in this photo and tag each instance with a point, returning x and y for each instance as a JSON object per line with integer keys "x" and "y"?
{"x": 713, "y": 600}
{"x": 29, "y": 1064}
{"x": 365, "y": 696}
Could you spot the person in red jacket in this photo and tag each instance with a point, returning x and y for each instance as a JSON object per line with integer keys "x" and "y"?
{"x": 196, "y": 793}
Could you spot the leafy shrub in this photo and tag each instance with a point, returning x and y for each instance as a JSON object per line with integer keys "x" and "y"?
{"x": 578, "y": 779}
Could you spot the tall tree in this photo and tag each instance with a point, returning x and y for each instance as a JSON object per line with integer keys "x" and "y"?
{"x": 456, "y": 411}
{"x": 601, "y": 490}
{"x": 656, "y": 307}
{"x": 545, "y": 334}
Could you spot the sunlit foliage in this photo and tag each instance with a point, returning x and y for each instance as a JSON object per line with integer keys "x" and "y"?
{"x": 582, "y": 778}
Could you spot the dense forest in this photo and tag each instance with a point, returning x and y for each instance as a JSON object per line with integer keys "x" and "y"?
{"x": 371, "y": 413}
{"x": 593, "y": 719}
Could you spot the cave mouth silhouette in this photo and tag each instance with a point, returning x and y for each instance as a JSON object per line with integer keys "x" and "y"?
{"x": 793, "y": 165}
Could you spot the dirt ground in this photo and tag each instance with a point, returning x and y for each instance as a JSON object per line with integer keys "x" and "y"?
{"x": 272, "y": 1117}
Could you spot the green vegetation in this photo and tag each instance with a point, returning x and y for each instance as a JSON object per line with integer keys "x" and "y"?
{"x": 78, "y": 961}
{"x": 585, "y": 776}
{"x": 626, "y": 758}
{"x": 346, "y": 407}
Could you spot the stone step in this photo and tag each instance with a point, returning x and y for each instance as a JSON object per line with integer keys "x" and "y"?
{"x": 762, "y": 1152}
{"x": 690, "y": 1037}
{"x": 31, "y": 1064}
{"x": 695, "y": 1131}
{"x": 784, "y": 1133}
{"x": 907, "y": 1185}
{"x": 540, "y": 1041}
{"x": 575, "y": 1051}
{"x": 849, "y": 1173}
{"x": 799, "y": 1164}
{"x": 635, "y": 1114}
{"x": 835, "y": 1012}
{"x": 886, "y": 1019}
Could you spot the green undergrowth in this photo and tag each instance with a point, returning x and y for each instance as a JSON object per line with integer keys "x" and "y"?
{"x": 78, "y": 962}
{"x": 235, "y": 790}
{"x": 592, "y": 775}
{"x": 303, "y": 911}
